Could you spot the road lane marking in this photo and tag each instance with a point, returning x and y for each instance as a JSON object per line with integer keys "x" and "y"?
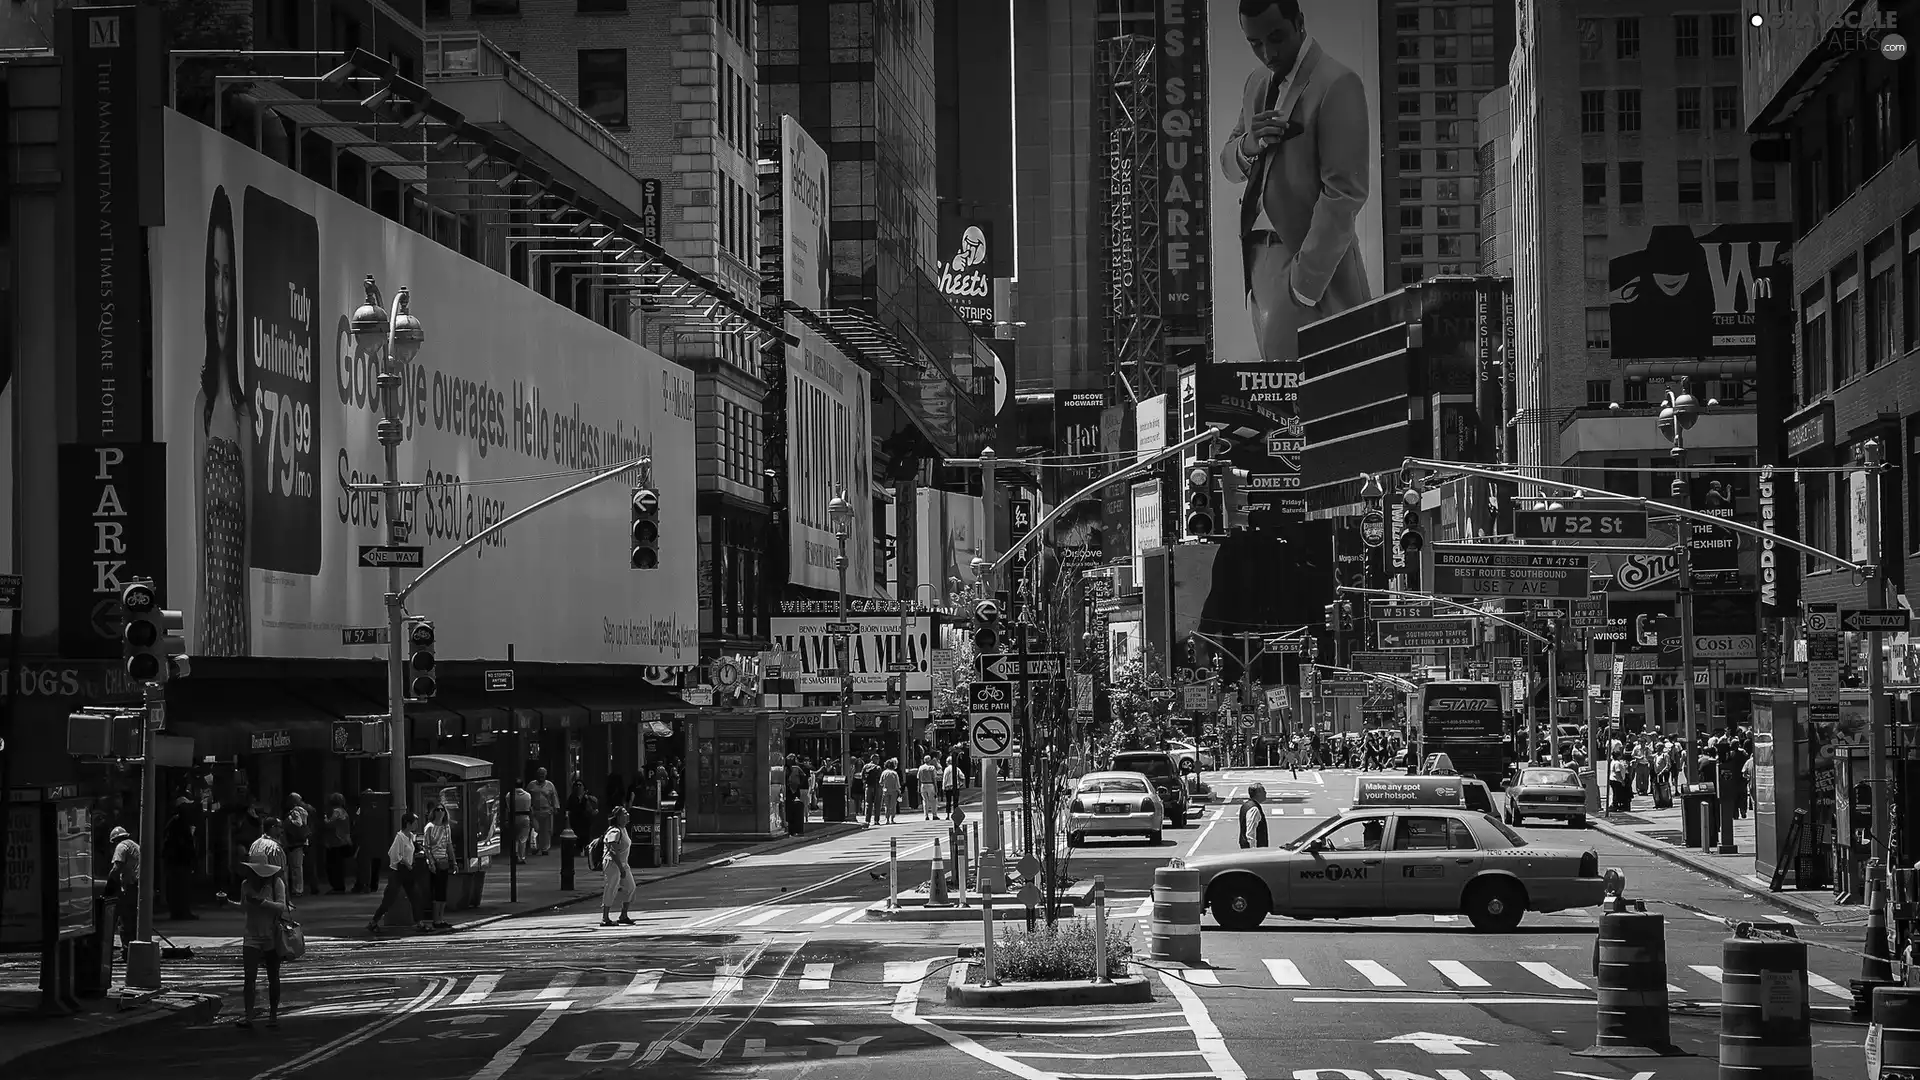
{"x": 558, "y": 988}
{"x": 823, "y": 916}
{"x": 477, "y": 991}
{"x": 646, "y": 982}
{"x": 1713, "y": 973}
{"x": 1103, "y": 1057}
{"x": 1145, "y": 910}
{"x": 1052, "y": 1019}
{"x": 1709, "y": 917}
{"x": 435, "y": 990}
{"x": 1286, "y": 973}
{"x": 1206, "y": 1034}
{"x": 1195, "y": 846}
{"x": 1443, "y": 999}
{"x": 727, "y": 981}
{"x": 1458, "y": 973}
{"x": 816, "y": 976}
{"x": 1200, "y": 976}
{"x": 904, "y": 971}
{"x": 1553, "y": 976}
{"x": 509, "y": 1055}
{"x": 858, "y": 914}
{"x": 1128, "y": 1033}
{"x": 765, "y": 916}
{"x": 1376, "y": 973}
{"x": 1828, "y": 986}
{"x": 1783, "y": 919}
{"x": 1446, "y": 918}
{"x": 809, "y": 889}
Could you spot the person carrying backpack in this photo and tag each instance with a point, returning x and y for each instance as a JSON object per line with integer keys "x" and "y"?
{"x": 614, "y": 847}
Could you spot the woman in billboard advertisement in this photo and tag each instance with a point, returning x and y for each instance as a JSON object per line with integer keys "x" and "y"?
{"x": 220, "y": 473}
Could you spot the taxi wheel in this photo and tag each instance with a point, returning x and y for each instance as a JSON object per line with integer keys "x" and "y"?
{"x": 1495, "y": 906}
{"x": 1239, "y": 904}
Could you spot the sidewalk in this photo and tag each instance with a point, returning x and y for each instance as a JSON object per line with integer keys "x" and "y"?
{"x": 1659, "y": 831}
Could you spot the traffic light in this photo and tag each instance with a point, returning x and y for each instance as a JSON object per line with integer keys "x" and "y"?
{"x": 646, "y": 529}
{"x": 1336, "y": 618}
{"x": 1202, "y": 517}
{"x": 988, "y": 634}
{"x": 423, "y": 680}
{"x": 1233, "y": 497}
{"x": 151, "y": 637}
{"x": 1413, "y": 536}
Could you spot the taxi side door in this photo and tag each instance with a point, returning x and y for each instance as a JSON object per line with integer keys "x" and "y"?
{"x": 1429, "y": 862}
{"x": 1340, "y": 873}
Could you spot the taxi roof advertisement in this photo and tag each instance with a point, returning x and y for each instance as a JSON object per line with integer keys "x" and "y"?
{"x": 1407, "y": 791}
{"x": 269, "y": 410}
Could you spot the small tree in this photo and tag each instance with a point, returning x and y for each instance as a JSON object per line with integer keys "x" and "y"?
{"x": 1138, "y": 717}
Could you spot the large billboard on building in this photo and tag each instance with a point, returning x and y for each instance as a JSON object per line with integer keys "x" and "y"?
{"x": 269, "y": 412}
{"x": 810, "y": 644}
{"x": 1076, "y": 427}
{"x": 805, "y": 248}
{"x": 1697, "y": 291}
{"x": 966, "y": 258}
{"x": 952, "y": 527}
{"x": 1311, "y": 232}
{"x": 1185, "y": 269}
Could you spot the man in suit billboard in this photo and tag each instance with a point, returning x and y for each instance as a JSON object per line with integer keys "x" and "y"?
{"x": 1302, "y": 146}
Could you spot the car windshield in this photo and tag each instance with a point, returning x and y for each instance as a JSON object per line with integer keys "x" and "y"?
{"x": 1152, "y": 765}
{"x": 1507, "y": 834}
{"x": 1118, "y": 785}
{"x": 1549, "y": 778}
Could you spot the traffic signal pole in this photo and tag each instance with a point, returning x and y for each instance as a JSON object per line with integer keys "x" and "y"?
{"x": 991, "y": 855}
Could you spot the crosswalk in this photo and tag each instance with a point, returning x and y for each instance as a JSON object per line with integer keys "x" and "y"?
{"x": 1452, "y": 975}
{"x": 783, "y": 916}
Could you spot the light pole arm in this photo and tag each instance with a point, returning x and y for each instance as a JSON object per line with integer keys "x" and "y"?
{"x": 1128, "y": 473}
{"x": 1651, "y": 504}
{"x": 476, "y": 538}
{"x": 1450, "y": 603}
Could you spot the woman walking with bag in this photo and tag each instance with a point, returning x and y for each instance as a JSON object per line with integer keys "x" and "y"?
{"x": 400, "y": 858}
{"x": 439, "y": 841}
{"x": 265, "y": 897}
{"x": 616, "y": 844}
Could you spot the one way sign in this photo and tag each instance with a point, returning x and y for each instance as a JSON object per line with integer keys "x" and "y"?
{"x": 1874, "y": 619}
{"x": 396, "y": 555}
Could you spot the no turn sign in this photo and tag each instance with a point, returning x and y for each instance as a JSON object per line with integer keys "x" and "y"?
{"x": 990, "y": 734}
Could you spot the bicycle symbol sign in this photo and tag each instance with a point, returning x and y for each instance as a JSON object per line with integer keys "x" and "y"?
{"x": 991, "y": 734}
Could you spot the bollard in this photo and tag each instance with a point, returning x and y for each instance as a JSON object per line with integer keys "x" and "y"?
{"x": 937, "y": 885}
{"x": 893, "y": 873}
{"x": 1100, "y": 930}
{"x": 568, "y": 842}
{"x": 1893, "y": 1039}
{"x": 1766, "y": 1030}
{"x": 1631, "y": 970}
{"x": 1174, "y": 933}
{"x": 1874, "y": 968}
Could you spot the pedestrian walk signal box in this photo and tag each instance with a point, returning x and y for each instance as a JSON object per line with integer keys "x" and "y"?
{"x": 1391, "y": 790}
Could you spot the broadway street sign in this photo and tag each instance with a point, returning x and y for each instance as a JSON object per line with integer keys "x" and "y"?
{"x": 1426, "y": 633}
{"x": 1511, "y": 570}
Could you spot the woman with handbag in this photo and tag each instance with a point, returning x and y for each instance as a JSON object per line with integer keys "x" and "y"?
{"x": 264, "y": 896}
{"x": 439, "y": 842}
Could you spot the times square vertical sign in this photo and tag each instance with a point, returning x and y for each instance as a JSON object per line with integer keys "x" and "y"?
{"x": 1184, "y": 280}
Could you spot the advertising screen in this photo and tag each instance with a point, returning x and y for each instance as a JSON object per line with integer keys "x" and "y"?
{"x": 269, "y": 410}
{"x": 1697, "y": 291}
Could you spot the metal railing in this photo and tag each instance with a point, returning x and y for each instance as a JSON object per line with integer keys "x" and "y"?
{"x": 470, "y": 55}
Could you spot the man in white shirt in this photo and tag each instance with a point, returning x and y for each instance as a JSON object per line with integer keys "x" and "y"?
{"x": 545, "y": 797}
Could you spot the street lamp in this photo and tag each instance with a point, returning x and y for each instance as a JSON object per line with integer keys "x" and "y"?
{"x": 840, "y": 515}
{"x": 397, "y": 338}
{"x": 1678, "y": 413}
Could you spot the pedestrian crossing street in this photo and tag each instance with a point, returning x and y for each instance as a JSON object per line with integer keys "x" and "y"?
{"x": 1699, "y": 981}
{"x": 675, "y": 986}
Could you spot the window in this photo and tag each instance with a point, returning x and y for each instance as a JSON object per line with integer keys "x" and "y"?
{"x": 1409, "y": 105}
{"x": 1726, "y": 180}
{"x": 1410, "y": 161}
{"x": 1446, "y": 18}
{"x": 1410, "y": 274}
{"x": 1813, "y": 343}
{"x": 1446, "y": 104}
{"x": 1763, "y": 185}
{"x": 440, "y": 8}
{"x": 1686, "y": 108}
{"x": 1485, "y": 75}
{"x": 496, "y": 7}
{"x": 1910, "y": 297}
{"x": 1589, "y": 39}
{"x": 1449, "y": 131}
{"x": 1410, "y": 191}
{"x": 1723, "y": 27}
{"x": 1846, "y": 312}
{"x": 1633, "y": 392}
{"x": 1618, "y": 475}
{"x": 1593, "y": 112}
{"x": 1408, "y": 48}
{"x": 1632, "y": 189}
{"x": 1881, "y": 138}
{"x": 1597, "y": 260}
{"x": 1599, "y": 328}
{"x": 1480, "y": 45}
{"x": 1446, "y": 48}
{"x": 1686, "y": 36}
{"x": 1356, "y": 834}
{"x": 1600, "y": 392}
{"x": 1627, "y": 110}
{"x": 603, "y": 85}
{"x": 1446, "y": 161}
{"x": 1819, "y": 517}
{"x": 1406, "y": 20}
{"x": 1446, "y": 74}
{"x": 1408, "y": 76}
{"x": 1626, "y": 39}
{"x": 1447, "y": 190}
{"x": 1411, "y": 217}
{"x": 1431, "y": 834}
{"x": 1726, "y": 108}
{"x": 1409, "y": 133}
{"x": 1446, "y": 217}
{"x": 1593, "y": 183}
{"x": 1482, "y": 17}
{"x": 1449, "y": 245}
{"x": 1412, "y": 246}
{"x": 597, "y": 7}
{"x": 1691, "y": 182}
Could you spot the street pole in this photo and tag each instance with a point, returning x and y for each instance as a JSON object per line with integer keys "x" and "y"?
{"x": 1553, "y": 688}
{"x": 1879, "y": 715}
{"x": 143, "y": 954}
{"x": 1689, "y": 722}
{"x": 906, "y": 743}
{"x": 992, "y": 879}
{"x": 842, "y": 511}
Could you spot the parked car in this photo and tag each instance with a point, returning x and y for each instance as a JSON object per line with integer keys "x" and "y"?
{"x": 1186, "y": 751}
{"x": 1114, "y": 804}
{"x": 1543, "y": 792}
{"x": 1163, "y": 772}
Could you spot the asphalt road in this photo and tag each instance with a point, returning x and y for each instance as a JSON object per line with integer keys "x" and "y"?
{"x": 768, "y": 968}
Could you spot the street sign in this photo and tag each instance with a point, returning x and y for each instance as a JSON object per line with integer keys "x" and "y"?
{"x": 989, "y": 697}
{"x": 990, "y": 734}
{"x": 1823, "y": 663}
{"x": 1345, "y": 684}
{"x": 1287, "y": 645}
{"x": 1197, "y": 697}
{"x": 1426, "y": 633}
{"x": 1373, "y": 527}
{"x": 1511, "y": 570}
{"x": 843, "y": 628}
{"x": 395, "y": 555}
{"x": 1874, "y": 619}
{"x": 902, "y": 665}
{"x": 1049, "y": 664}
{"x": 1403, "y": 609}
{"x": 1589, "y": 612}
{"x": 363, "y": 635}
{"x": 1005, "y": 667}
{"x": 499, "y": 681}
{"x": 1387, "y": 663}
{"x": 1580, "y": 524}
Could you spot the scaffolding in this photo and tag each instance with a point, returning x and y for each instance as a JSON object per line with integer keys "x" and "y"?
{"x": 1128, "y": 185}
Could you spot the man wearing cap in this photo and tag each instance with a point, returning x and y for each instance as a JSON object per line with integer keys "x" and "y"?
{"x": 123, "y": 874}
{"x": 1253, "y": 818}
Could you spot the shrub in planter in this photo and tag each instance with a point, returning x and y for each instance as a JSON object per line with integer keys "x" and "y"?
{"x": 1063, "y": 951}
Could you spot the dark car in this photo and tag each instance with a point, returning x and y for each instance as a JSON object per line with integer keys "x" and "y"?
{"x": 1161, "y": 770}
{"x": 1547, "y": 792}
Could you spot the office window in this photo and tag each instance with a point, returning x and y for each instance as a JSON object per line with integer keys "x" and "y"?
{"x": 1686, "y": 108}
{"x": 1632, "y": 188}
{"x": 1599, "y": 328}
{"x": 1626, "y": 39}
{"x": 1447, "y": 217}
{"x": 1446, "y": 161}
{"x": 603, "y": 85}
{"x": 1819, "y": 517}
{"x": 726, "y": 103}
{"x": 1410, "y": 274}
{"x": 1633, "y": 392}
{"x": 1589, "y": 39}
{"x": 1763, "y": 184}
{"x": 1410, "y": 161}
{"x": 1724, "y": 27}
{"x": 1485, "y": 75}
{"x": 1595, "y": 249}
{"x": 600, "y": 7}
{"x": 1445, "y": 18}
{"x": 1452, "y": 131}
{"x": 1726, "y": 108}
{"x": 1910, "y": 289}
{"x": 1446, "y": 190}
{"x": 1446, "y": 48}
{"x": 1480, "y": 45}
{"x": 1482, "y": 17}
{"x": 1691, "y": 182}
{"x": 1627, "y": 110}
{"x": 496, "y": 7}
{"x": 1882, "y": 139}
{"x": 1409, "y": 105}
{"x": 1408, "y": 76}
{"x": 1882, "y": 303}
{"x": 1726, "y": 180}
{"x": 1406, "y": 20}
{"x": 1686, "y": 36}
{"x": 1446, "y": 74}
{"x": 1813, "y": 343}
{"x": 1411, "y": 217}
{"x": 1846, "y": 314}
{"x": 1600, "y": 392}
{"x": 1413, "y": 245}
{"x": 1619, "y": 476}
{"x": 1410, "y": 191}
{"x": 1409, "y": 133}
{"x": 1446, "y": 104}
{"x": 1593, "y": 112}
{"x": 1449, "y": 245}
{"x": 1593, "y": 183}
{"x": 1408, "y": 48}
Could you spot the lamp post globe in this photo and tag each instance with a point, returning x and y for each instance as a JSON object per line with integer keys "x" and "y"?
{"x": 840, "y": 513}
{"x": 408, "y": 332}
{"x": 369, "y": 321}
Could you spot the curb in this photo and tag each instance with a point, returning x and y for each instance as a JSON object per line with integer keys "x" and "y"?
{"x": 920, "y": 913}
{"x": 1125, "y": 990}
{"x": 202, "y": 1009}
{"x": 1700, "y": 865}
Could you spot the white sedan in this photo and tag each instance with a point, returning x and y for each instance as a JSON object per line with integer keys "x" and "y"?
{"x": 1114, "y": 804}
{"x": 1186, "y": 751}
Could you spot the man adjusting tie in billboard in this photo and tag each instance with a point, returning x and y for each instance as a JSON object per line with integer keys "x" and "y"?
{"x": 1301, "y": 146}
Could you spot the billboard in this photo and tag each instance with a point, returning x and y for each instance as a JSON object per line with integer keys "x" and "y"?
{"x": 876, "y": 645}
{"x": 1697, "y": 291}
{"x": 964, "y": 279}
{"x": 1184, "y": 265}
{"x": 951, "y": 530}
{"x": 1259, "y": 405}
{"x": 805, "y": 250}
{"x": 1316, "y": 179}
{"x": 269, "y": 411}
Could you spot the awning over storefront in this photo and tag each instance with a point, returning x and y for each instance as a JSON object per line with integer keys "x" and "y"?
{"x": 456, "y": 766}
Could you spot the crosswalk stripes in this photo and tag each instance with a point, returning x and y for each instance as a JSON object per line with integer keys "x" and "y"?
{"x": 1376, "y": 973}
{"x": 1509, "y": 976}
{"x": 816, "y": 976}
{"x": 1458, "y": 973}
{"x": 1552, "y": 976}
{"x": 477, "y": 991}
{"x": 1286, "y": 973}
{"x": 782, "y": 916}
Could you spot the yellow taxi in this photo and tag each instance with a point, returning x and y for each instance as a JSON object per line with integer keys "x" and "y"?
{"x": 1410, "y": 845}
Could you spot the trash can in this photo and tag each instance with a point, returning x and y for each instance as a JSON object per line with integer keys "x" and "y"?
{"x": 93, "y": 954}
{"x": 670, "y": 838}
{"x": 833, "y": 799}
{"x": 641, "y": 831}
{"x": 1696, "y": 808}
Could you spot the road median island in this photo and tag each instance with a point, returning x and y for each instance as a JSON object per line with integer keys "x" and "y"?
{"x": 1050, "y": 966}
